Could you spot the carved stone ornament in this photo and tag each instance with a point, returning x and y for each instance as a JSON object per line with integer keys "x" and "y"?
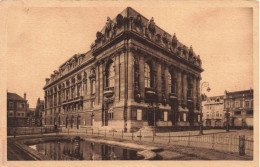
{"x": 99, "y": 37}
{"x": 92, "y": 73}
{"x": 109, "y": 100}
{"x": 165, "y": 39}
{"x": 138, "y": 24}
{"x": 151, "y": 26}
{"x": 158, "y": 38}
{"x": 79, "y": 77}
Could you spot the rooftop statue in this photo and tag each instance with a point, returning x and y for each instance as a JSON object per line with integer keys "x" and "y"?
{"x": 174, "y": 41}
{"x": 109, "y": 26}
{"x": 150, "y": 27}
{"x": 138, "y": 24}
{"x": 119, "y": 20}
{"x": 191, "y": 53}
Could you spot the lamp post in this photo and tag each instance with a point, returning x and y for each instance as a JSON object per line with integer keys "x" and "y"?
{"x": 203, "y": 85}
{"x": 227, "y": 121}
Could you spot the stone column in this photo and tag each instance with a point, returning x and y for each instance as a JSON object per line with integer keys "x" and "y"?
{"x": 185, "y": 87}
{"x": 198, "y": 91}
{"x": 122, "y": 76}
{"x": 97, "y": 84}
{"x": 100, "y": 83}
{"x": 141, "y": 78}
{"x": 194, "y": 92}
{"x": 159, "y": 81}
{"x": 117, "y": 77}
{"x": 130, "y": 76}
{"x": 179, "y": 86}
{"x": 166, "y": 73}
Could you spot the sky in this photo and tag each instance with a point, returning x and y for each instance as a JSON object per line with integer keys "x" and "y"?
{"x": 40, "y": 39}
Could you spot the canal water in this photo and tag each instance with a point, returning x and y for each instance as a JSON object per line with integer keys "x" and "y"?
{"x": 84, "y": 150}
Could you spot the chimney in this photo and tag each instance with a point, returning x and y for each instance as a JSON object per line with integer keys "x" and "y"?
{"x": 24, "y": 95}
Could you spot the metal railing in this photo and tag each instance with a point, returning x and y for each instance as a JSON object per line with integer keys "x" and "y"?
{"x": 15, "y": 131}
{"x": 220, "y": 142}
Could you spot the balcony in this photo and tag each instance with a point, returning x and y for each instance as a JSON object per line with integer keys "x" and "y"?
{"x": 172, "y": 96}
{"x": 73, "y": 100}
{"x": 150, "y": 95}
{"x": 109, "y": 92}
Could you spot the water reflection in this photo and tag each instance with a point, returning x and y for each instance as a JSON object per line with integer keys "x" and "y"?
{"x": 83, "y": 150}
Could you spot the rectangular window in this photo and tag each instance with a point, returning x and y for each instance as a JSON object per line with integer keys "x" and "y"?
{"x": 181, "y": 117}
{"x": 249, "y": 112}
{"x": 22, "y": 114}
{"x": 92, "y": 104}
{"x": 241, "y": 103}
{"x": 93, "y": 87}
{"x": 139, "y": 114}
{"x": 227, "y": 104}
{"x": 237, "y": 104}
{"x": 11, "y": 105}
{"x": 184, "y": 117}
{"x": 247, "y": 104}
{"x": 165, "y": 116}
{"x": 133, "y": 114}
{"x": 18, "y": 114}
{"x": 237, "y": 112}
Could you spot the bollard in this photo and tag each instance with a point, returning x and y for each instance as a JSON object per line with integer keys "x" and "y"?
{"x": 189, "y": 139}
{"x": 140, "y": 135}
{"x": 213, "y": 141}
{"x": 242, "y": 145}
{"x": 169, "y": 137}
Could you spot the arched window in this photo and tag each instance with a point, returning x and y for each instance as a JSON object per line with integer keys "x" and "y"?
{"x": 93, "y": 86}
{"x": 147, "y": 75}
{"x": 190, "y": 86}
{"x": 111, "y": 75}
{"x": 170, "y": 82}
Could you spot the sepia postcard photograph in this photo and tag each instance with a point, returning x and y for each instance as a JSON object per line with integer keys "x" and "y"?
{"x": 129, "y": 83}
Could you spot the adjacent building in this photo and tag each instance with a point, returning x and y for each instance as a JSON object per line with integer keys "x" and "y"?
{"x": 17, "y": 110}
{"x": 213, "y": 112}
{"x": 39, "y": 112}
{"x": 135, "y": 74}
{"x": 240, "y": 107}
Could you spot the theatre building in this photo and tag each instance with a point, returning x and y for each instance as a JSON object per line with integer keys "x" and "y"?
{"x": 135, "y": 74}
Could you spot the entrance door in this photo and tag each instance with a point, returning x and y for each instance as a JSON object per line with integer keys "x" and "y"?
{"x": 150, "y": 118}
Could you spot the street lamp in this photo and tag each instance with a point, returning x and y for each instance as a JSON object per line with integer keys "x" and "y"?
{"x": 203, "y": 85}
{"x": 227, "y": 121}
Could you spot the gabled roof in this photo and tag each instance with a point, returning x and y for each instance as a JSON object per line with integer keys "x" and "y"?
{"x": 14, "y": 96}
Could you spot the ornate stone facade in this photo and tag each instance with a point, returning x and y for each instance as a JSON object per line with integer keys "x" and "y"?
{"x": 135, "y": 75}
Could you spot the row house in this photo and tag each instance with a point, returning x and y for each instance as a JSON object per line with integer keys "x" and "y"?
{"x": 213, "y": 112}
{"x": 239, "y": 106}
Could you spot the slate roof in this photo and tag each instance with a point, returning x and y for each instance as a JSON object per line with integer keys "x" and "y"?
{"x": 14, "y": 96}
